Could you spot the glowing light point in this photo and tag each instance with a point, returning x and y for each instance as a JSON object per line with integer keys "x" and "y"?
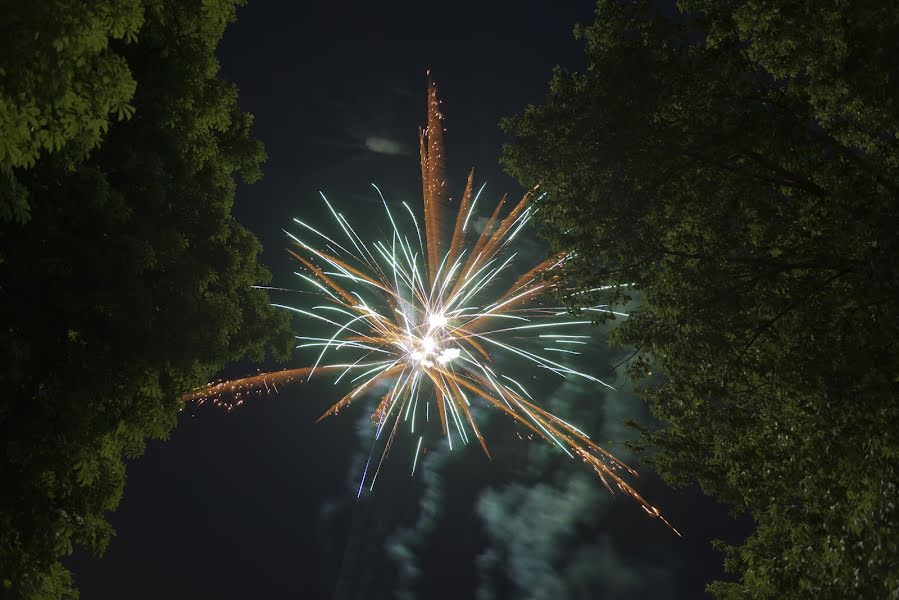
{"x": 447, "y": 355}
{"x": 436, "y": 321}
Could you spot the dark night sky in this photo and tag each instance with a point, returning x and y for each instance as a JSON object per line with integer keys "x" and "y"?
{"x": 258, "y": 503}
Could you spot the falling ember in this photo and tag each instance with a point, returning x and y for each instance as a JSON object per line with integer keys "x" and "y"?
{"x": 418, "y": 315}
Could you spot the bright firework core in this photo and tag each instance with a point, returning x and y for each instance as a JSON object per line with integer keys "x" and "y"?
{"x": 435, "y": 347}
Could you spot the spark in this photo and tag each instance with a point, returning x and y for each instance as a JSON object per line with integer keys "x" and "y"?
{"x": 417, "y": 450}
{"x": 427, "y": 323}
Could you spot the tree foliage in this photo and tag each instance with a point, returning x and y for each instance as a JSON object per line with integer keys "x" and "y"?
{"x": 61, "y": 82}
{"x": 124, "y": 279}
{"x": 737, "y": 163}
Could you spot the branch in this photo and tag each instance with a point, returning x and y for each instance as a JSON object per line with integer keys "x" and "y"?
{"x": 768, "y": 324}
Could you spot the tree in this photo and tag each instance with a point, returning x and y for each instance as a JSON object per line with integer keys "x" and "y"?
{"x": 61, "y": 83}
{"x": 130, "y": 282}
{"x": 737, "y": 164}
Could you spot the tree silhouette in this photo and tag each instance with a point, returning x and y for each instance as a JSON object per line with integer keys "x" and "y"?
{"x": 737, "y": 163}
{"x": 124, "y": 279}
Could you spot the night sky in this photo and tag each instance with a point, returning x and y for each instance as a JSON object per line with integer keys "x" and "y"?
{"x": 261, "y": 503}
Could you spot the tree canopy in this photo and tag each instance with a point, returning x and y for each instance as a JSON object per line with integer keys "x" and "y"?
{"x": 124, "y": 279}
{"x": 736, "y": 165}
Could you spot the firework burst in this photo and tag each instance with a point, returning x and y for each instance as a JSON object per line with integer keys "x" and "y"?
{"x": 418, "y": 314}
